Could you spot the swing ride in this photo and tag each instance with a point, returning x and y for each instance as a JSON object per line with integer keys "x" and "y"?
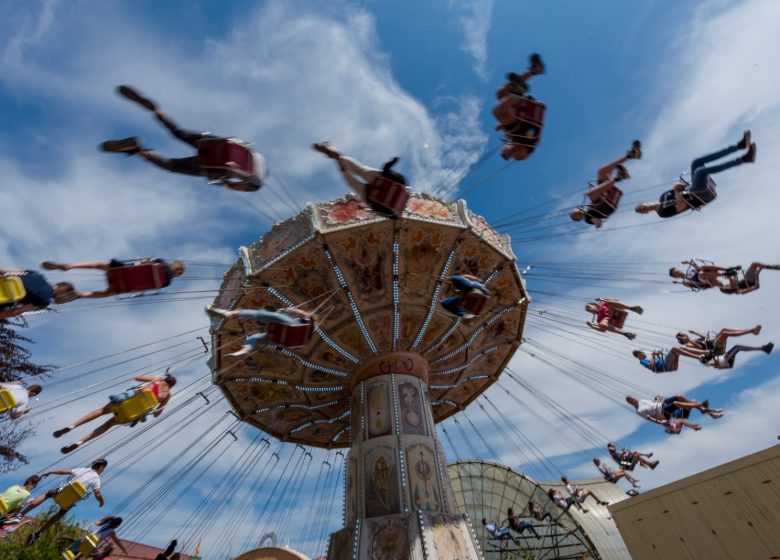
{"x": 403, "y": 310}
{"x": 385, "y": 361}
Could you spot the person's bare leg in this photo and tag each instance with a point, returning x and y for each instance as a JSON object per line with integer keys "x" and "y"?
{"x": 605, "y": 172}
{"x": 94, "y": 415}
{"x": 614, "y": 304}
{"x": 623, "y": 474}
{"x": 100, "y": 430}
{"x": 595, "y": 193}
{"x": 724, "y": 334}
{"x": 588, "y": 493}
{"x": 688, "y": 352}
{"x": 32, "y": 505}
{"x": 96, "y": 265}
{"x": 51, "y": 521}
{"x": 684, "y": 422}
{"x": 647, "y": 207}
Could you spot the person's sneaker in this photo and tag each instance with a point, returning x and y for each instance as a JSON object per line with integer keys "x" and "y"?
{"x": 706, "y": 404}
{"x": 745, "y": 142}
{"x": 585, "y": 510}
{"x": 604, "y": 503}
{"x": 61, "y": 432}
{"x": 768, "y": 347}
{"x": 705, "y": 358}
{"x": 537, "y": 66}
{"x": 750, "y": 155}
{"x": 630, "y": 335}
{"x": 133, "y": 95}
{"x": 49, "y": 265}
{"x": 716, "y": 415}
{"x": 649, "y": 455}
{"x": 71, "y": 447}
{"x": 34, "y": 536}
{"x": 126, "y": 145}
{"x": 622, "y": 173}
{"x": 654, "y": 465}
{"x": 773, "y": 267}
{"x": 636, "y": 150}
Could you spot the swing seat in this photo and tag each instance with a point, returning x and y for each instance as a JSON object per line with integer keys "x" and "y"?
{"x": 698, "y": 199}
{"x": 388, "y": 194}
{"x": 530, "y": 111}
{"x": 473, "y": 302}
{"x": 291, "y": 336}
{"x": 88, "y": 544}
{"x": 7, "y": 401}
{"x": 612, "y": 197}
{"x": 11, "y": 290}
{"x": 68, "y": 496}
{"x": 4, "y": 506}
{"x": 618, "y": 318}
{"x": 137, "y": 278}
{"x": 68, "y": 555}
{"x": 143, "y": 402}
{"x": 230, "y": 156}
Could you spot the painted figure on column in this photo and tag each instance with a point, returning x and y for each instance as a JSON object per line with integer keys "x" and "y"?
{"x": 410, "y": 409}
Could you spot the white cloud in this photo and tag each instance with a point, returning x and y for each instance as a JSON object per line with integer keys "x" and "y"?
{"x": 474, "y": 18}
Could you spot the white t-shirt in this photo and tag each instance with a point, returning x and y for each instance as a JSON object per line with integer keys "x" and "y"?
{"x": 650, "y": 409}
{"x": 86, "y": 476}
{"x": 20, "y": 395}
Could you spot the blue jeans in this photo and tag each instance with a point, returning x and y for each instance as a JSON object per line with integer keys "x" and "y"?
{"x": 699, "y": 173}
{"x": 264, "y": 317}
{"x": 464, "y": 284}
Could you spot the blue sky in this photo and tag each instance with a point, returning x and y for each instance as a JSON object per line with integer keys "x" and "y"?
{"x": 380, "y": 79}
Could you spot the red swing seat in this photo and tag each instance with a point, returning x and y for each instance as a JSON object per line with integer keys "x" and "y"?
{"x": 618, "y": 318}
{"x": 388, "y": 194}
{"x": 228, "y": 155}
{"x": 473, "y": 302}
{"x": 291, "y": 336}
{"x": 529, "y": 115}
{"x": 137, "y": 278}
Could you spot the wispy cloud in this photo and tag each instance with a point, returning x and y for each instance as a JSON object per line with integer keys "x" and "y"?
{"x": 473, "y": 16}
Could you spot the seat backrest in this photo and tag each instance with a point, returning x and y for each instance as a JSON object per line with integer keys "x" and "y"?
{"x": 11, "y": 289}
{"x": 618, "y": 318}
{"x": 88, "y": 544}
{"x": 137, "y": 278}
{"x": 387, "y": 193}
{"x": 227, "y": 154}
{"x": 291, "y": 336}
{"x": 71, "y": 494}
{"x": 613, "y": 196}
{"x": 531, "y": 111}
{"x": 143, "y": 402}
{"x": 473, "y": 302}
{"x": 7, "y": 400}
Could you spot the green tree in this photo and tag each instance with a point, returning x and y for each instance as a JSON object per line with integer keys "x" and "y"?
{"x": 49, "y": 547}
{"x": 15, "y": 365}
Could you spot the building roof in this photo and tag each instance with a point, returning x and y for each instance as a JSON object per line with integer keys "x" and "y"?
{"x": 138, "y": 551}
{"x": 486, "y": 490}
{"x": 730, "y": 511}
{"x": 272, "y": 553}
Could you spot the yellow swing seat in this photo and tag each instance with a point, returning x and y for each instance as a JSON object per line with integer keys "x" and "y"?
{"x": 72, "y": 493}
{"x": 3, "y": 506}
{"x": 88, "y": 544}
{"x": 7, "y": 401}
{"x": 68, "y": 555}
{"x": 11, "y": 289}
{"x": 143, "y": 402}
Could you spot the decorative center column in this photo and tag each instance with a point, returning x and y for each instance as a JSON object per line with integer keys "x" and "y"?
{"x": 398, "y": 501}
